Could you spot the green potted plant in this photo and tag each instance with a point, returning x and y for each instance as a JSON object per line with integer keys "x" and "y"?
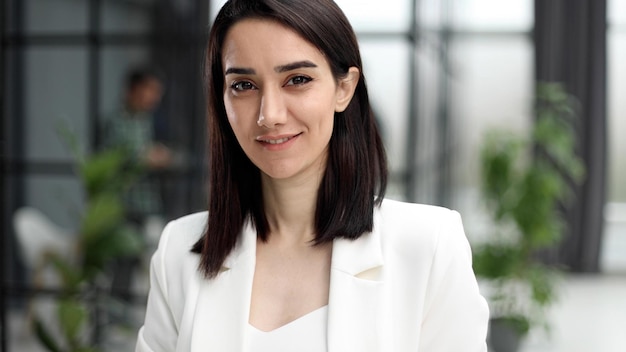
{"x": 525, "y": 183}
{"x": 104, "y": 235}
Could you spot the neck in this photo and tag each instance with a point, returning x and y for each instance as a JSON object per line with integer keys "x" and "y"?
{"x": 290, "y": 208}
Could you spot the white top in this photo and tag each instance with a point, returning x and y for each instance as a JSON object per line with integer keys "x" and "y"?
{"x": 305, "y": 334}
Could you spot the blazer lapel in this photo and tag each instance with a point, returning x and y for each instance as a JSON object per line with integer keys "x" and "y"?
{"x": 222, "y": 311}
{"x": 354, "y": 305}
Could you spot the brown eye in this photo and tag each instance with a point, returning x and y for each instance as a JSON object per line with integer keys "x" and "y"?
{"x": 242, "y": 85}
{"x": 298, "y": 80}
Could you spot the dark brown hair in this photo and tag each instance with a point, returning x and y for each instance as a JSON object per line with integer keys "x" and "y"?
{"x": 356, "y": 172}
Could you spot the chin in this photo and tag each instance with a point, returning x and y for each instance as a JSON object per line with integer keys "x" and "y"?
{"x": 277, "y": 174}
{"x": 280, "y": 172}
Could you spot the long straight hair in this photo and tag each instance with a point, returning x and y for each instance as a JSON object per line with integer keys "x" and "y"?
{"x": 355, "y": 177}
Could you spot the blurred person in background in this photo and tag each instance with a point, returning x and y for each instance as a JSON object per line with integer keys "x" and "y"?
{"x": 299, "y": 250}
{"x": 131, "y": 127}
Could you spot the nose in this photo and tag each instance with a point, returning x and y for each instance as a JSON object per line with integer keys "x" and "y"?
{"x": 272, "y": 111}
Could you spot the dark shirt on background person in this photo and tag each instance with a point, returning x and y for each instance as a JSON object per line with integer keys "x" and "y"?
{"x": 131, "y": 127}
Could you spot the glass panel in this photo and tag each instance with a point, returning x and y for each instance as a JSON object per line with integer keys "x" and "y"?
{"x": 616, "y": 12}
{"x": 54, "y": 206}
{"x": 214, "y": 8}
{"x": 372, "y": 15}
{"x": 117, "y": 332}
{"x": 55, "y": 87}
{"x": 492, "y": 15}
{"x": 114, "y": 64}
{"x": 55, "y": 16}
{"x": 492, "y": 87}
{"x": 127, "y": 16}
{"x": 613, "y": 258}
{"x": 365, "y": 15}
{"x": 616, "y": 80}
{"x": 427, "y": 147}
{"x": 125, "y": 319}
{"x": 386, "y": 68}
{"x": 13, "y": 267}
{"x": 21, "y": 337}
{"x": 60, "y": 198}
{"x": 431, "y": 13}
{"x": 10, "y": 98}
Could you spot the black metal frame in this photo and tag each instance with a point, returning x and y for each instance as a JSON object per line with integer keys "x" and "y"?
{"x": 3, "y": 172}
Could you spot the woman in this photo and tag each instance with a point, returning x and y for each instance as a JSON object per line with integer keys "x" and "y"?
{"x": 298, "y": 250}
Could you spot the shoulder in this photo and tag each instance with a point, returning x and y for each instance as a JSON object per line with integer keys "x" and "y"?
{"x": 427, "y": 253}
{"x": 182, "y": 233}
{"x": 174, "y": 249}
{"x": 411, "y": 228}
{"x": 173, "y": 278}
{"x": 413, "y": 212}
{"x": 412, "y": 217}
{"x": 186, "y": 227}
{"x": 173, "y": 265}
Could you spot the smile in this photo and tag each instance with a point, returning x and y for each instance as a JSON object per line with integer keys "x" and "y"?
{"x": 276, "y": 140}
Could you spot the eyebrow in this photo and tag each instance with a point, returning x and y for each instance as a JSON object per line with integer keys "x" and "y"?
{"x": 239, "y": 70}
{"x": 294, "y": 66}
{"x": 282, "y": 68}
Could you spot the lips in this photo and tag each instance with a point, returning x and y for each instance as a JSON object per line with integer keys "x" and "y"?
{"x": 276, "y": 140}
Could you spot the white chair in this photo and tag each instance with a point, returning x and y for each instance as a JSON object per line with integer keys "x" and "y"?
{"x": 37, "y": 236}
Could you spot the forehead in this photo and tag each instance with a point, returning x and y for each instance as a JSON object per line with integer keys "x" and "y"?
{"x": 258, "y": 41}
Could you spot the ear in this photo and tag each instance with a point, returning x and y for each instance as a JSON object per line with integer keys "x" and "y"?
{"x": 345, "y": 89}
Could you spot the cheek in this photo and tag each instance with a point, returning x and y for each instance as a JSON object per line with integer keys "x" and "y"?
{"x": 233, "y": 114}
{"x": 240, "y": 112}
{"x": 228, "y": 106}
{"x": 319, "y": 109}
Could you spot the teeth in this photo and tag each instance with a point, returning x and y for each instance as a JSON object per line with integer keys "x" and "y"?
{"x": 276, "y": 141}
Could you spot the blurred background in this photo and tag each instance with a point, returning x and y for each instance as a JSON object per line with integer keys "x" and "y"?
{"x": 441, "y": 73}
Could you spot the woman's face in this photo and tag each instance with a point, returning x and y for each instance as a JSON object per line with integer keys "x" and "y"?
{"x": 280, "y": 97}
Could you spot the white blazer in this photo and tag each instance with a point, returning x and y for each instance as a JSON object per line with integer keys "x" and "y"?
{"x": 406, "y": 286}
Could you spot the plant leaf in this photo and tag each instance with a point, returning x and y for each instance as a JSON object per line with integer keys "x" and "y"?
{"x": 69, "y": 274}
{"x": 45, "y": 337}
{"x": 72, "y": 316}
